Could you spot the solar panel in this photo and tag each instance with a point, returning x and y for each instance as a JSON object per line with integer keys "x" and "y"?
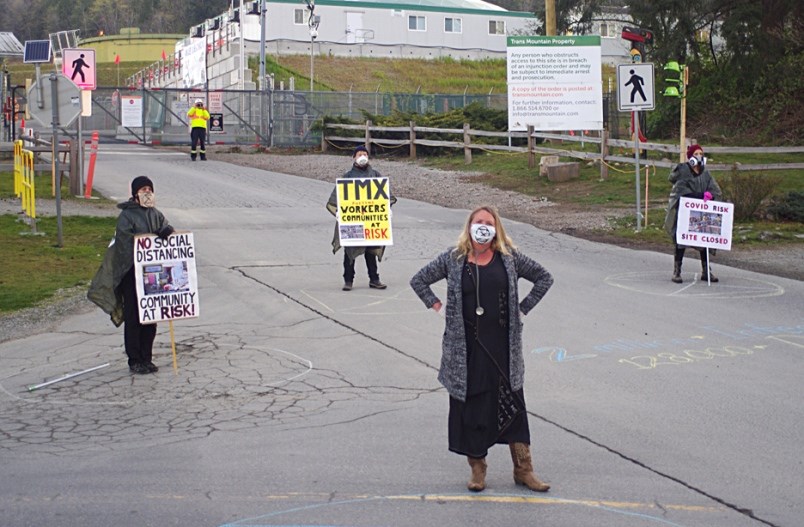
{"x": 36, "y": 51}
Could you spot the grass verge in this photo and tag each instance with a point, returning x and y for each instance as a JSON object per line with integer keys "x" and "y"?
{"x": 34, "y": 267}
{"x": 509, "y": 171}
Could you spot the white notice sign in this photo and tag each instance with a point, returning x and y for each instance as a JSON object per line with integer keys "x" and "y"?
{"x": 555, "y": 83}
{"x": 131, "y": 111}
{"x": 704, "y": 223}
{"x": 165, "y": 277}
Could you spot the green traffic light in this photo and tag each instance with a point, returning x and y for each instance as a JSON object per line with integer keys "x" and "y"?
{"x": 677, "y": 90}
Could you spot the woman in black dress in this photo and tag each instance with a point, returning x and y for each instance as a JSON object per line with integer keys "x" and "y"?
{"x": 482, "y": 365}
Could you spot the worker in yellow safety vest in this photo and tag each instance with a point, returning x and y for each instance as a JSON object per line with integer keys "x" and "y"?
{"x": 199, "y": 117}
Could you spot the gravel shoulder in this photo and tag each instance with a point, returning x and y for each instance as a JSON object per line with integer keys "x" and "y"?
{"x": 458, "y": 190}
{"x": 412, "y": 181}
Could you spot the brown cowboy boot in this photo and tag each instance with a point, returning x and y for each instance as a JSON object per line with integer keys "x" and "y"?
{"x": 478, "y": 481}
{"x": 523, "y": 468}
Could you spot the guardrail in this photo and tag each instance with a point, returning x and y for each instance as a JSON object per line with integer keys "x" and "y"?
{"x": 68, "y": 163}
{"x": 24, "y": 183}
{"x": 412, "y": 139}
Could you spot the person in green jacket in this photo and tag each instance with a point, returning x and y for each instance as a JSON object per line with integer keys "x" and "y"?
{"x": 113, "y": 288}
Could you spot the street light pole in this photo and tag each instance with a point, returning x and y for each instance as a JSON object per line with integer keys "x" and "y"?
{"x": 312, "y": 23}
{"x": 241, "y": 85}
{"x": 261, "y": 80}
{"x": 262, "y": 45}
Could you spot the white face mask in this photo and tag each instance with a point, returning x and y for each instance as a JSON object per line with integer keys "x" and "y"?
{"x": 361, "y": 161}
{"x": 482, "y": 234}
{"x": 146, "y": 199}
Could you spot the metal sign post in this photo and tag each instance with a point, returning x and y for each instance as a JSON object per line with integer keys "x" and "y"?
{"x": 54, "y": 97}
{"x": 636, "y": 170}
{"x": 64, "y": 103}
{"x": 635, "y": 92}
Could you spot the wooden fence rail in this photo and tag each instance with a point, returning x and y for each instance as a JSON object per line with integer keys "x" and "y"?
{"x": 603, "y": 156}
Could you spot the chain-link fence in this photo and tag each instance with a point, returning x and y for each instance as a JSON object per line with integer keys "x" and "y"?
{"x": 280, "y": 118}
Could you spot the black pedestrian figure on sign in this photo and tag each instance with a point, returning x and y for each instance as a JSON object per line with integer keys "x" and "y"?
{"x": 78, "y": 65}
{"x": 637, "y": 82}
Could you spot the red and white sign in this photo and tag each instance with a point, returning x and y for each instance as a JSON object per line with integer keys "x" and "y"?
{"x": 78, "y": 65}
{"x": 705, "y": 223}
{"x": 131, "y": 111}
{"x": 215, "y": 102}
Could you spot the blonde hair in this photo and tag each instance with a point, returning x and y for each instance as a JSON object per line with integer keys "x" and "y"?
{"x": 501, "y": 242}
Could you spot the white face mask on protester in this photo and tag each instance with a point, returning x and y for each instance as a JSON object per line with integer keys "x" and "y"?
{"x": 146, "y": 199}
{"x": 361, "y": 161}
{"x": 481, "y": 233}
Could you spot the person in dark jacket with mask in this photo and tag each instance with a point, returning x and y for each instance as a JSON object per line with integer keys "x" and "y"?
{"x": 113, "y": 288}
{"x": 360, "y": 170}
{"x": 482, "y": 364}
{"x": 690, "y": 180}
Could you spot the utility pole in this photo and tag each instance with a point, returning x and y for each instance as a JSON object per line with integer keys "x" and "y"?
{"x": 549, "y": 17}
{"x": 683, "y": 146}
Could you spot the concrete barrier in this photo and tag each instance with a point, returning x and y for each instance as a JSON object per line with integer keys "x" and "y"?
{"x": 563, "y": 171}
{"x": 544, "y": 162}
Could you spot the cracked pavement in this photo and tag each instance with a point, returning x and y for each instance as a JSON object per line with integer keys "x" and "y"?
{"x": 295, "y": 403}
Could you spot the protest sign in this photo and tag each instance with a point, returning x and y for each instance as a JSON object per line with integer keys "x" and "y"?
{"x": 165, "y": 277}
{"x": 364, "y": 212}
{"x": 704, "y": 223}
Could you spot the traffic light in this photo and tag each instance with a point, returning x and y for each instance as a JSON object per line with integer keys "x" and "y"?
{"x": 676, "y": 82}
{"x": 638, "y": 38}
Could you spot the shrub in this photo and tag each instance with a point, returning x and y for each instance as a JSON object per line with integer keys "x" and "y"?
{"x": 789, "y": 207}
{"x": 747, "y": 191}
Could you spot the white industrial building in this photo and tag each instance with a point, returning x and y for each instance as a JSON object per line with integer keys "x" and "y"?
{"x": 460, "y": 29}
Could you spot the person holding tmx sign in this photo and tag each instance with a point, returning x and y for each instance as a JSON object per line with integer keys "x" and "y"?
{"x": 482, "y": 366}
{"x": 690, "y": 180}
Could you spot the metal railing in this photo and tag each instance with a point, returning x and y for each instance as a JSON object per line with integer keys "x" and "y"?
{"x": 283, "y": 118}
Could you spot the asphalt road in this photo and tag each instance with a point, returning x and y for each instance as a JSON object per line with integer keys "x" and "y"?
{"x": 295, "y": 403}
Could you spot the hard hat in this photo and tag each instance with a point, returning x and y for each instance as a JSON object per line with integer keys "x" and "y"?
{"x": 199, "y": 101}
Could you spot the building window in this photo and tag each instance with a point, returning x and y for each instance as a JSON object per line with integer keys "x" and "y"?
{"x": 452, "y": 25}
{"x": 496, "y": 27}
{"x": 298, "y": 17}
{"x": 417, "y": 23}
{"x": 604, "y": 29}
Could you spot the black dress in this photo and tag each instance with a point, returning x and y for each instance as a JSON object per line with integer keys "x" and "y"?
{"x": 492, "y": 413}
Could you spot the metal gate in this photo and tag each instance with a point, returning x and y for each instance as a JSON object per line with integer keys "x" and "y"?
{"x": 274, "y": 118}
